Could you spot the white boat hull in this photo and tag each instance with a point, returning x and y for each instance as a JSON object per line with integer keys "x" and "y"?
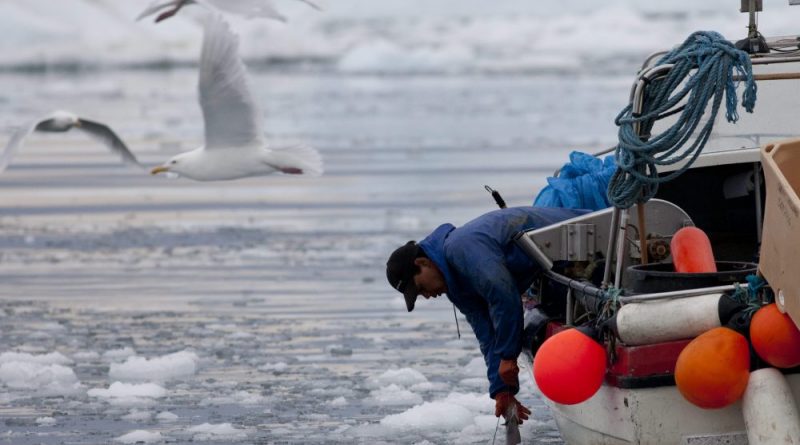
{"x": 651, "y": 416}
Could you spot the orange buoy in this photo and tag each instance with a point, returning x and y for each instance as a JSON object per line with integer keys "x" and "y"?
{"x": 569, "y": 367}
{"x": 775, "y": 337}
{"x": 713, "y": 369}
{"x": 691, "y": 251}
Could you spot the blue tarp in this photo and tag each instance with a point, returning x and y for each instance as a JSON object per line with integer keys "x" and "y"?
{"x": 581, "y": 184}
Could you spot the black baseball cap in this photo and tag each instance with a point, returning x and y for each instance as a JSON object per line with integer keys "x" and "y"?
{"x": 400, "y": 271}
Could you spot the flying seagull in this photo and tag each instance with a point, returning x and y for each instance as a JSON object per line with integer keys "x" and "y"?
{"x": 246, "y": 8}
{"x": 59, "y": 122}
{"x": 234, "y": 142}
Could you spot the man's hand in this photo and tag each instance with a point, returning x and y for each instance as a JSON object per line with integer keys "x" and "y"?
{"x": 504, "y": 400}
{"x": 509, "y": 371}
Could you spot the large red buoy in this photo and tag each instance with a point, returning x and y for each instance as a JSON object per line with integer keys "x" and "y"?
{"x": 713, "y": 369}
{"x": 691, "y": 251}
{"x": 569, "y": 367}
{"x": 775, "y": 337}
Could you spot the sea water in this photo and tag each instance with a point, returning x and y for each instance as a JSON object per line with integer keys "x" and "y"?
{"x": 142, "y": 309}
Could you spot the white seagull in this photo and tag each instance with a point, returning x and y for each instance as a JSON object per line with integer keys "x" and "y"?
{"x": 59, "y": 122}
{"x": 234, "y": 142}
{"x": 246, "y": 8}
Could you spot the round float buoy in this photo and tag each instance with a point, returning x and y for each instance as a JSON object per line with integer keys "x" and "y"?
{"x": 691, "y": 251}
{"x": 713, "y": 369}
{"x": 569, "y": 367}
{"x": 775, "y": 337}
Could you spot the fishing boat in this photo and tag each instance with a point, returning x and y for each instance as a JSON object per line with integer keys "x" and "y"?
{"x": 612, "y": 271}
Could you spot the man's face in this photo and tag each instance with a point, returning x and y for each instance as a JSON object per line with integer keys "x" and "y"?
{"x": 430, "y": 281}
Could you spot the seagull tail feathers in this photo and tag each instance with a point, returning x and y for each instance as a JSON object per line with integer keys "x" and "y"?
{"x": 297, "y": 159}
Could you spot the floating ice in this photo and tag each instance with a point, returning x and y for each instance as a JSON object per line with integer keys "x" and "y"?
{"x": 432, "y": 416}
{"x": 140, "y": 436}
{"x": 476, "y": 383}
{"x": 86, "y": 356}
{"x": 475, "y": 368}
{"x": 480, "y": 403}
{"x": 237, "y": 398}
{"x": 136, "y": 415}
{"x": 339, "y": 401}
{"x": 118, "y": 354}
{"x": 402, "y": 377}
{"x": 277, "y": 368}
{"x": 126, "y": 394}
{"x": 453, "y": 413}
{"x": 240, "y": 335}
{"x": 45, "y": 421}
{"x": 52, "y": 358}
{"x": 220, "y": 431}
{"x": 42, "y": 379}
{"x": 429, "y": 386}
{"x": 159, "y": 369}
{"x": 393, "y": 395}
{"x": 166, "y": 417}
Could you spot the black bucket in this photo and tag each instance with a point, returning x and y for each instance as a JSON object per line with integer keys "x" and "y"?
{"x": 661, "y": 277}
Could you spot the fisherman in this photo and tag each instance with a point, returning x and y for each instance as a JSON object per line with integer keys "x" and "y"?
{"x": 484, "y": 274}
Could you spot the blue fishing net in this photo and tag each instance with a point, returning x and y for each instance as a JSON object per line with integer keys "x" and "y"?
{"x": 581, "y": 184}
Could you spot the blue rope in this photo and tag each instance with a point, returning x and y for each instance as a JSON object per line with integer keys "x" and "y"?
{"x": 607, "y": 308}
{"x": 715, "y": 61}
{"x": 749, "y": 295}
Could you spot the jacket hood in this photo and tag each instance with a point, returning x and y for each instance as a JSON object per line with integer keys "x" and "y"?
{"x": 433, "y": 246}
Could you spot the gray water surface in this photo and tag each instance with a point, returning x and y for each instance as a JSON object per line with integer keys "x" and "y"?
{"x": 276, "y": 283}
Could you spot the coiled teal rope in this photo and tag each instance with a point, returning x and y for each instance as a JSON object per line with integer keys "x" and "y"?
{"x": 716, "y": 61}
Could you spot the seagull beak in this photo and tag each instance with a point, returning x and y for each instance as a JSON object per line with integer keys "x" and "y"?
{"x": 159, "y": 169}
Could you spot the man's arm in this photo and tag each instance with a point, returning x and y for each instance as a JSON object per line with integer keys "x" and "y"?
{"x": 484, "y": 331}
{"x": 482, "y": 265}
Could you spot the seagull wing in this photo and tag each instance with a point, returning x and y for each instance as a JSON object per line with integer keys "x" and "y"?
{"x": 248, "y": 8}
{"x": 106, "y": 135}
{"x": 231, "y": 116}
{"x": 15, "y": 143}
{"x": 312, "y": 4}
{"x": 155, "y": 7}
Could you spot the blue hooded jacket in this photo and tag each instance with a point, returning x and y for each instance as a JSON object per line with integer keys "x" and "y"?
{"x": 486, "y": 274}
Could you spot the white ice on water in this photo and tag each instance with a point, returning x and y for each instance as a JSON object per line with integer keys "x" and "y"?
{"x": 42, "y": 374}
{"x": 401, "y": 377}
{"x": 393, "y": 395}
{"x": 171, "y": 366}
{"x": 216, "y": 432}
{"x": 120, "y": 390}
{"x": 51, "y": 358}
{"x": 166, "y": 417}
{"x": 238, "y": 398}
{"x": 45, "y": 421}
{"x": 118, "y": 355}
{"x": 140, "y": 436}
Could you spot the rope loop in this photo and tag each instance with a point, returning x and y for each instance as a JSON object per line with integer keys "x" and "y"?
{"x": 608, "y": 308}
{"x": 702, "y": 75}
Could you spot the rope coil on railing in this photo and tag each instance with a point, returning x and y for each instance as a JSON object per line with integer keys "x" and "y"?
{"x": 715, "y": 62}
{"x": 749, "y": 295}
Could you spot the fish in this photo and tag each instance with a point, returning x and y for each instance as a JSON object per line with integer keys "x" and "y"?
{"x": 512, "y": 425}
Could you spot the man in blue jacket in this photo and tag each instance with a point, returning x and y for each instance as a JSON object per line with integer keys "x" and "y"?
{"x": 484, "y": 274}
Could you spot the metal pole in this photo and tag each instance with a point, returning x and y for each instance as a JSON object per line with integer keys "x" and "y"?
{"x": 679, "y": 293}
{"x": 622, "y": 243}
{"x": 612, "y": 238}
{"x": 570, "y": 307}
